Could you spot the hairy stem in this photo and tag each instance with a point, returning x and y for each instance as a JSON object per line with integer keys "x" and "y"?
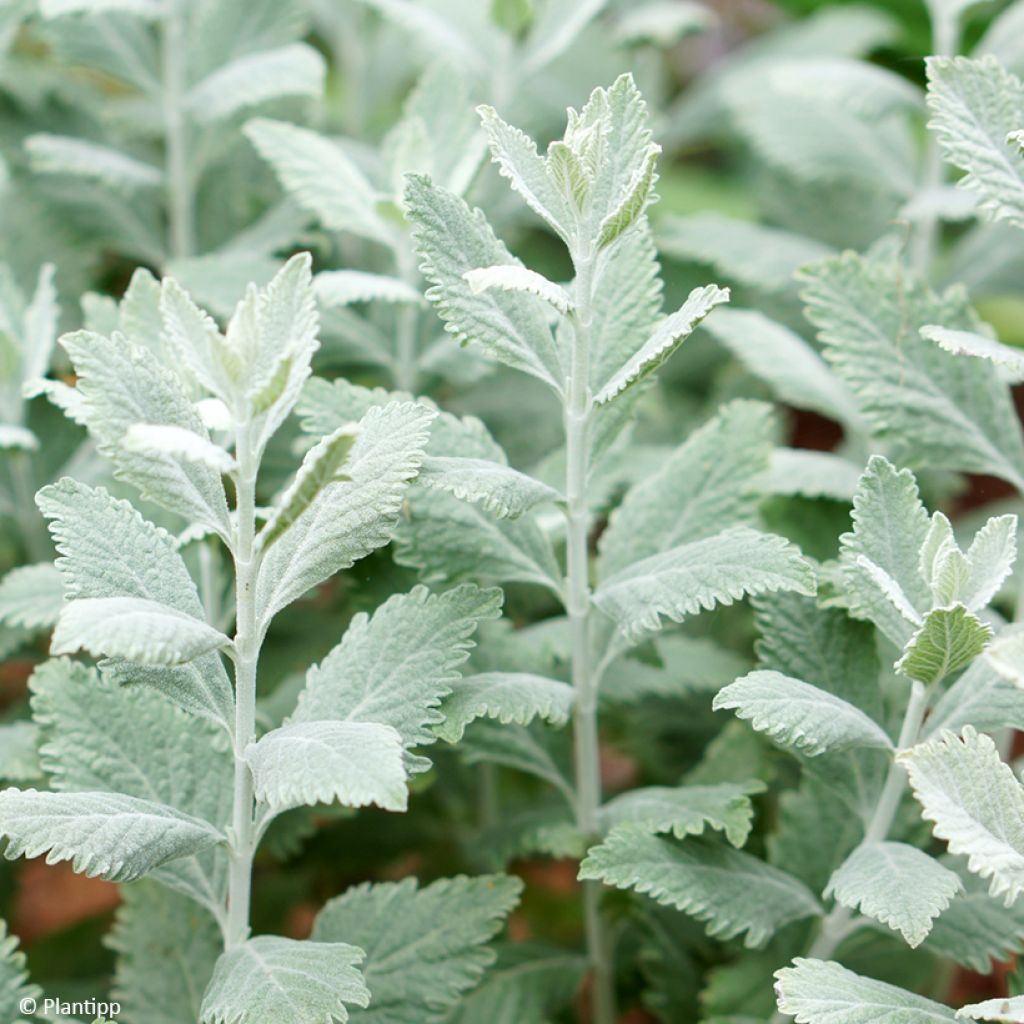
{"x": 180, "y": 212}
{"x": 243, "y": 832}
{"x": 585, "y": 733}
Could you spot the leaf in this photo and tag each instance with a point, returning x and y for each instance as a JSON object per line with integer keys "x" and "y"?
{"x": 344, "y": 287}
{"x": 667, "y": 337}
{"x": 975, "y": 104}
{"x": 799, "y": 715}
{"x": 147, "y": 438}
{"x": 810, "y": 474}
{"x": 19, "y": 756}
{"x": 990, "y": 557}
{"x": 698, "y": 576}
{"x": 711, "y": 882}
{"x": 699, "y": 490}
{"x": 292, "y": 70}
{"x": 451, "y": 240}
{"x": 518, "y": 697}
{"x": 501, "y": 490}
{"x": 976, "y": 804}
{"x": 534, "y": 750}
{"x": 1009, "y": 1009}
{"x": 348, "y": 519}
{"x": 931, "y": 409}
{"x": 322, "y": 466}
{"x": 282, "y": 980}
{"x": 106, "y": 835}
{"x": 395, "y": 667}
{"x": 823, "y": 992}
{"x": 978, "y": 346}
{"x": 79, "y": 158}
{"x": 15, "y": 988}
{"x": 983, "y": 696}
{"x": 520, "y": 279}
{"x": 31, "y": 596}
{"x": 685, "y": 810}
{"x": 896, "y": 884}
{"x": 320, "y": 177}
{"x": 109, "y": 551}
{"x": 948, "y": 640}
{"x": 424, "y": 947}
{"x": 633, "y": 200}
{"x": 306, "y": 763}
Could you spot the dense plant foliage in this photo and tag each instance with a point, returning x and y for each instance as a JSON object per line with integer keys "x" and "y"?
{"x": 428, "y": 598}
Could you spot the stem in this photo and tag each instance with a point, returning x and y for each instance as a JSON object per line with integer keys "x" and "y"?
{"x": 179, "y": 186}
{"x": 243, "y": 837}
{"x": 33, "y": 533}
{"x": 585, "y": 733}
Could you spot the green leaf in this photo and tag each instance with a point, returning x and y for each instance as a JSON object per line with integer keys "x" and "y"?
{"x": 106, "y": 835}
{"x": 685, "y": 810}
{"x": 948, "y": 640}
{"x": 977, "y": 346}
{"x": 19, "y": 755}
{"x": 698, "y": 576}
{"x": 424, "y": 947}
{"x": 31, "y": 596}
{"x": 135, "y": 629}
{"x": 982, "y": 697}
{"x": 78, "y": 158}
{"x": 990, "y": 558}
{"x": 508, "y": 697}
{"x": 178, "y": 443}
{"x": 823, "y": 992}
{"x": 975, "y": 803}
{"x": 320, "y": 176}
{"x": 306, "y": 763}
{"x": 799, "y": 715}
{"x": 800, "y": 472}
{"x": 714, "y": 883}
{"x": 700, "y": 489}
{"x": 896, "y": 884}
{"x": 451, "y": 240}
{"x": 667, "y": 337}
{"x": 931, "y": 409}
{"x": 288, "y": 982}
{"x": 14, "y": 983}
{"x": 520, "y": 279}
{"x": 1009, "y": 1009}
{"x": 396, "y": 667}
{"x": 499, "y": 489}
{"x": 345, "y": 287}
{"x": 975, "y": 105}
{"x": 633, "y": 200}
{"x": 533, "y": 750}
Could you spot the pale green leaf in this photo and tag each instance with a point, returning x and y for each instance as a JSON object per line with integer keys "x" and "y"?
{"x": 518, "y": 697}
{"x": 1010, "y": 360}
{"x": 798, "y": 715}
{"x": 948, "y": 640}
{"x": 344, "y": 287}
{"x": 986, "y": 696}
{"x": 1009, "y": 1010}
{"x": 14, "y": 984}
{"x": 499, "y": 489}
{"x": 713, "y": 883}
{"x": 19, "y": 753}
{"x": 520, "y": 279}
{"x": 896, "y": 884}
{"x": 990, "y": 557}
{"x": 306, "y": 763}
{"x": 179, "y": 443}
{"x": 79, "y": 158}
{"x": 424, "y": 947}
{"x": 633, "y": 200}
{"x": 285, "y": 981}
{"x": 31, "y": 596}
{"x": 810, "y": 474}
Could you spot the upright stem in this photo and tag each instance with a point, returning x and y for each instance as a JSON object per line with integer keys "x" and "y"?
{"x": 243, "y": 837}
{"x": 178, "y": 180}
{"x": 586, "y": 746}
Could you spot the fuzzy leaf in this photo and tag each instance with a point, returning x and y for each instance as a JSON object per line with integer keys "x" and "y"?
{"x": 632, "y": 202}
{"x": 698, "y": 576}
{"x": 501, "y": 490}
{"x": 978, "y": 346}
{"x": 285, "y": 981}
{"x": 948, "y": 640}
{"x": 63, "y": 154}
{"x": 1009, "y": 1010}
{"x": 424, "y": 947}
{"x": 31, "y": 596}
{"x": 976, "y": 804}
{"x": 15, "y": 988}
{"x": 799, "y": 715}
{"x": 712, "y": 882}
{"x": 990, "y": 557}
{"x": 520, "y": 279}
{"x": 897, "y": 885}
{"x": 810, "y": 474}
{"x": 344, "y": 287}
{"x": 517, "y": 697}
{"x": 147, "y": 438}
{"x": 306, "y": 763}
{"x": 107, "y": 835}
{"x": 19, "y": 753}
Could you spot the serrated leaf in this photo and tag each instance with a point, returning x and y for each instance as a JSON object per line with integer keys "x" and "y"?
{"x": 15, "y": 988}
{"x": 344, "y": 287}
{"x": 667, "y": 337}
{"x": 106, "y": 835}
{"x": 896, "y": 884}
{"x": 451, "y": 240}
{"x": 990, "y": 557}
{"x": 634, "y": 200}
{"x": 79, "y": 158}
{"x": 824, "y": 992}
{"x": 501, "y": 490}
{"x": 536, "y": 751}
{"x": 975, "y": 104}
{"x": 292, "y": 70}
{"x": 148, "y": 438}
{"x": 711, "y": 882}
{"x": 318, "y": 174}
{"x": 306, "y": 763}
{"x": 948, "y": 640}
{"x": 810, "y": 474}
{"x": 396, "y": 666}
{"x": 31, "y": 596}
{"x": 698, "y": 576}
{"x": 19, "y": 753}
{"x": 517, "y": 697}
{"x": 685, "y": 810}
{"x": 520, "y": 279}
{"x": 424, "y": 947}
{"x": 1009, "y": 1010}
{"x": 282, "y": 980}
{"x": 975, "y": 803}
{"x": 978, "y": 346}
{"x": 983, "y": 696}
{"x": 799, "y": 715}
